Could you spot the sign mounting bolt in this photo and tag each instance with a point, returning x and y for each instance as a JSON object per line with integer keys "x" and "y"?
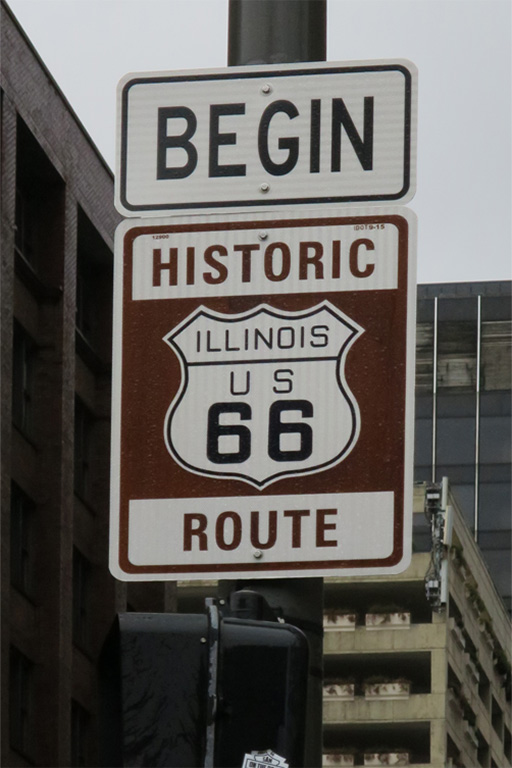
{"x": 257, "y": 554}
{"x": 266, "y": 89}
{"x": 264, "y": 187}
{"x": 263, "y": 235}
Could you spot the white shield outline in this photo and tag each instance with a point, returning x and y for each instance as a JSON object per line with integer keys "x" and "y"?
{"x": 202, "y": 311}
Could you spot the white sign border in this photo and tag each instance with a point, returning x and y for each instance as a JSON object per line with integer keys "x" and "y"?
{"x": 122, "y": 230}
{"x": 406, "y": 67}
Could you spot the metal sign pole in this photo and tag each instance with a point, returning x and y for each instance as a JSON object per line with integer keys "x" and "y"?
{"x": 273, "y": 32}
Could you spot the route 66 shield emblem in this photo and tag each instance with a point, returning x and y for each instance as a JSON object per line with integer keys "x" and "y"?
{"x": 263, "y": 393}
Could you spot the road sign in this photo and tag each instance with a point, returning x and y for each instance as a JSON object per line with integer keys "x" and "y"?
{"x": 257, "y": 136}
{"x": 263, "y": 383}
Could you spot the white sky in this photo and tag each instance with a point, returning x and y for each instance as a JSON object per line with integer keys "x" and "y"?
{"x": 462, "y": 49}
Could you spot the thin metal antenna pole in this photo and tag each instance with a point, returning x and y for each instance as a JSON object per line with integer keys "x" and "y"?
{"x": 476, "y": 519}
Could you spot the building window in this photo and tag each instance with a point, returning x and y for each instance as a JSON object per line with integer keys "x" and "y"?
{"x": 457, "y": 344}
{"x": 495, "y": 488}
{"x": 22, "y": 510}
{"x": 424, "y": 357}
{"x": 85, "y": 295}
{"x": 24, "y": 226}
{"x": 39, "y": 213}
{"x": 79, "y": 734}
{"x": 507, "y": 744}
{"x": 84, "y": 421}
{"x": 93, "y": 291}
{"x": 20, "y": 684}
{"x": 496, "y": 363}
{"x": 24, "y": 352}
{"x": 497, "y": 718}
{"x": 423, "y": 456}
{"x": 81, "y": 598}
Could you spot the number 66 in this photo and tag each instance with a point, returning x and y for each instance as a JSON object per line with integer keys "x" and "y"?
{"x": 276, "y": 428}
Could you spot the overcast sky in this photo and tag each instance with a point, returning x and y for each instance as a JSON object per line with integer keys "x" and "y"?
{"x": 462, "y": 49}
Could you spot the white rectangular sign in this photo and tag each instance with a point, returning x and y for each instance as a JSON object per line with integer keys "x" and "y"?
{"x": 276, "y": 260}
{"x": 263, "y": 383}
{"x": 252, "y": 137}
{"x": 310, "y": 527}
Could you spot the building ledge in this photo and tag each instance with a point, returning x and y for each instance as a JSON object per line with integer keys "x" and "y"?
{"x": 419, "y": 637}
{"x": 421, "y": 707}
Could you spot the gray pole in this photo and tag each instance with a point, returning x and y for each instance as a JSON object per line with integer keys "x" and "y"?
{"x": 275, "y": 32}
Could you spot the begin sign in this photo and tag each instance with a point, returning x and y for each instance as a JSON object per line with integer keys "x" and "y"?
{"x": 263, "y": 387}
{"x": 260, "y": 136}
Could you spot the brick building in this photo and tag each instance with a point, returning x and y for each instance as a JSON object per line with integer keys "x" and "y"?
{"x": 58, "y": 598}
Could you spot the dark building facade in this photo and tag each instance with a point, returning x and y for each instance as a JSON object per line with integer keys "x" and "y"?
{"x": 58, "y": 598}
{"x": 463, "y": 408}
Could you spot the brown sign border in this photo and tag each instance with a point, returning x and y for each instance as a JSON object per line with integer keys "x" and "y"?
{"x": 259, "y": 568}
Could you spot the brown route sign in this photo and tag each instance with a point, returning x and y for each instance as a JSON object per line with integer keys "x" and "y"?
{"x": 262, "y": 395}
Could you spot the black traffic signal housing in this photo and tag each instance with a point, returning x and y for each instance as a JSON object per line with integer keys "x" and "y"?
{"x": 180, "y": 690}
